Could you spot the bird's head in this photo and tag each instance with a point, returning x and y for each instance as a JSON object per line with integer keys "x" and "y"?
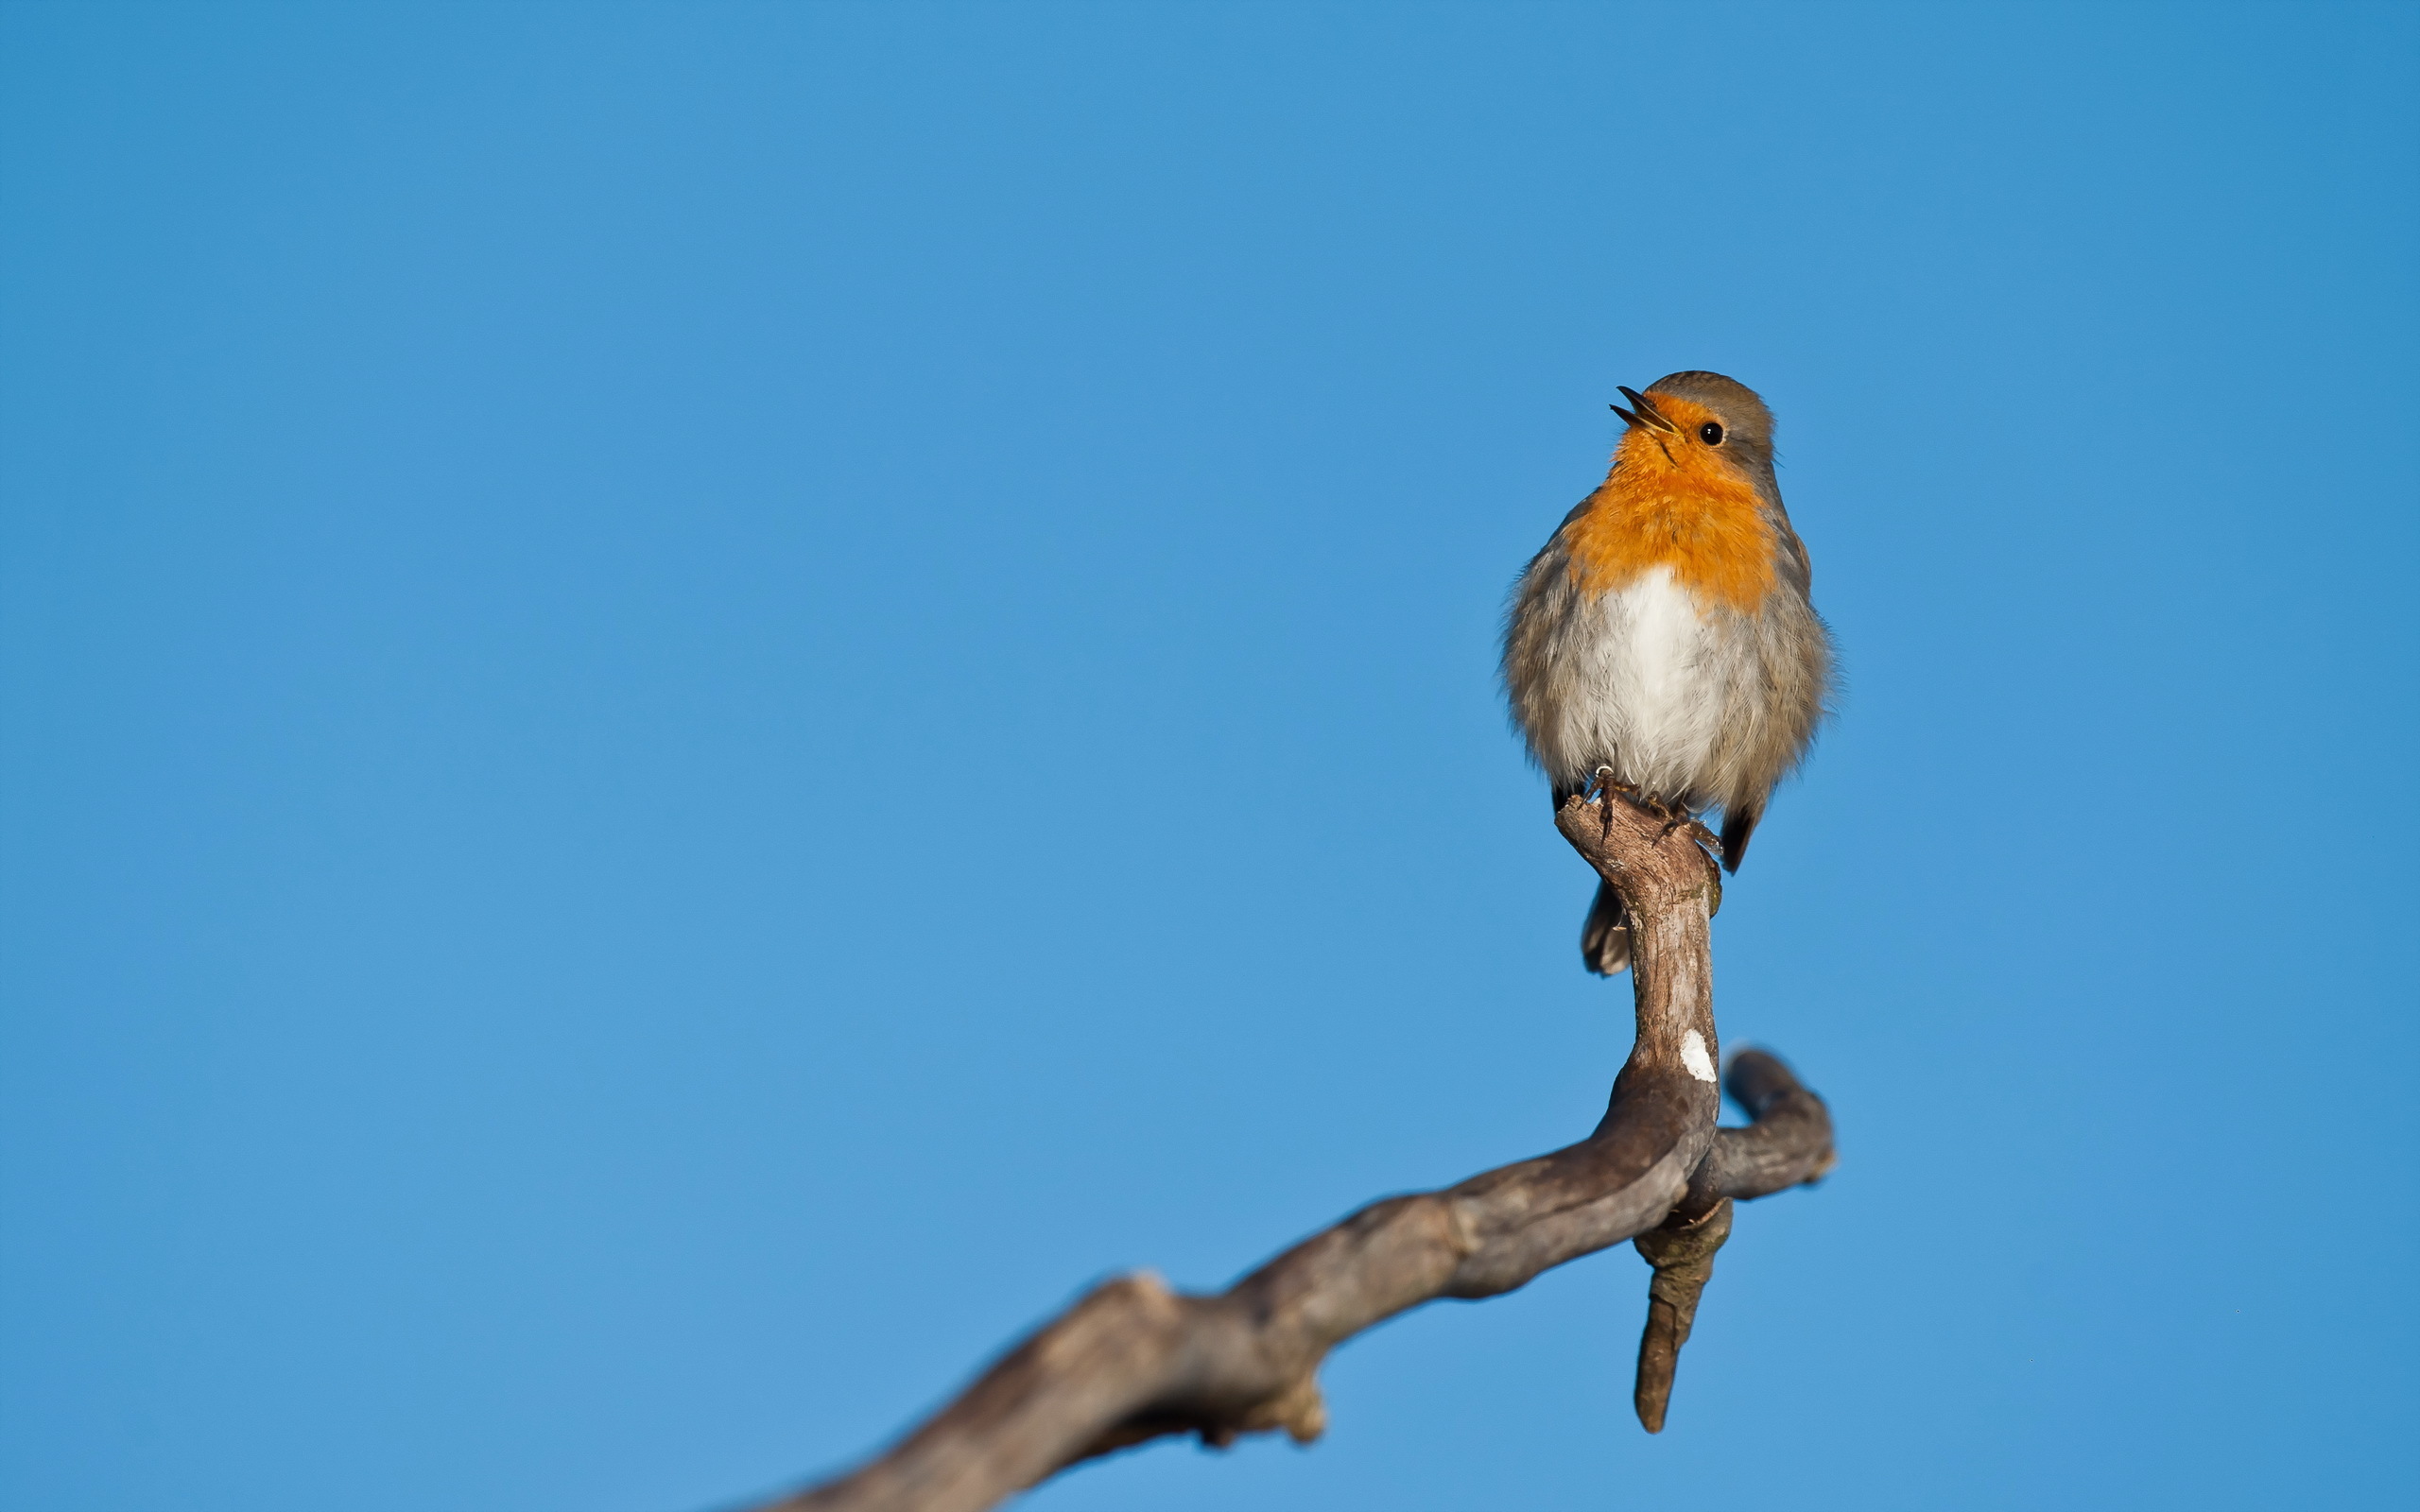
{"x": 1698, "y": 424}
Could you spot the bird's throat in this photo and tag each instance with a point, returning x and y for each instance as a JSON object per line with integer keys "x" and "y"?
{"x": 1689, "y": 514}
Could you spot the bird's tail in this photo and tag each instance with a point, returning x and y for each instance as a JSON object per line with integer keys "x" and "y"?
{"x": 1739, "y": 822}
{"x": 1604, "y": 940}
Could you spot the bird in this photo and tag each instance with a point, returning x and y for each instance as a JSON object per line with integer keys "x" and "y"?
{"x": 1664, "y": 645}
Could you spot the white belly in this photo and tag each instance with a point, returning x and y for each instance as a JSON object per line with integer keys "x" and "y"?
{"x": 1641, "y": 688}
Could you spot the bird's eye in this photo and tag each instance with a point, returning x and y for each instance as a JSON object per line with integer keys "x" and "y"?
{"x": 1710, "y": 433}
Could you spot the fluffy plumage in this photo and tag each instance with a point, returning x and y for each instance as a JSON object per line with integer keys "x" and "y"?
{"x": 1665, "y": 631}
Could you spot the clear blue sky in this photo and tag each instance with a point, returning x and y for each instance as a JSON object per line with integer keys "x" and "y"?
{"x": 701, "y": 701}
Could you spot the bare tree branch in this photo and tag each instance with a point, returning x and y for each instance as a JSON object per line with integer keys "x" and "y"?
{"x": 1131, "y": 1360}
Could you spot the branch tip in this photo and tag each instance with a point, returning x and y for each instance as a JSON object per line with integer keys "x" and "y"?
{"x": 1683, "y": 1255}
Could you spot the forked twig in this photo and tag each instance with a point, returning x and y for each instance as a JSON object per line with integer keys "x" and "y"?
{"x": 1131, "y": 1360}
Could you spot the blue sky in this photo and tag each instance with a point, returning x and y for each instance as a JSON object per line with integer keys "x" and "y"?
{"x": 700, "y": 702}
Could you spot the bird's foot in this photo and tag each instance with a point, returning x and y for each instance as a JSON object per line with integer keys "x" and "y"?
{"x": 1671, "y": 813}
{"x": 1676, "y": 815}
{"x": 1706, "y": 840}
{"x": 1600, "y": 791}
{"x": 1602, "y": 782}
{"x": 1682, "y": 819}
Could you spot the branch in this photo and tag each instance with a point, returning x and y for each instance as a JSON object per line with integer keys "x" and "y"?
{"x": 1131, "y": 1360}
{"x": 1683, "y": 1255}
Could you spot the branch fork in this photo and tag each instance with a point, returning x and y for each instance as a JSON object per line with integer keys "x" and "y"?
{"x": 1132, "y": 1360}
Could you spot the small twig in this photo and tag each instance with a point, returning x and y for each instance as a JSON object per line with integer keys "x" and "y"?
{"x": 1683, "y": 1255}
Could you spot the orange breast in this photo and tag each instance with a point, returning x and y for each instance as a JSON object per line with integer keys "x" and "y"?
{"x": 1673, "y": 504}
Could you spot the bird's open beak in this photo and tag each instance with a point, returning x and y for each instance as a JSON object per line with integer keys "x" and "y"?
{"x": 1647, "y": 414}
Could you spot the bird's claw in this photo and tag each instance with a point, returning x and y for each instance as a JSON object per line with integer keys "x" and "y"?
{"x": 1675, "y": 815}
{"x": 1639, "y": 798}
{"x": 1682, "y": 819}
{"x": 1602, "y": 790}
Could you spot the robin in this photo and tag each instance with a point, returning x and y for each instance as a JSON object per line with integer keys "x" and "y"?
{"x": 1663, "y": 645}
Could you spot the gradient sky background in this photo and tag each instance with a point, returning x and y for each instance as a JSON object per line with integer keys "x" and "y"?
{"x": 702, "y": 701}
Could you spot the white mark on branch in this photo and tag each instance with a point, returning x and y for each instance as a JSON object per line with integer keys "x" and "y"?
{"x": 1694, "y": 1057}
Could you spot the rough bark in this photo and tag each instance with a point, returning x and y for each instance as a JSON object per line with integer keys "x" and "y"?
{"x": 1131, "y": 1360}
{"x": 1682, "y": 1250}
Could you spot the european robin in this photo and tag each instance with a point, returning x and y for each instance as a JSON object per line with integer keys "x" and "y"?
{"x": 1664, "y": 646}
